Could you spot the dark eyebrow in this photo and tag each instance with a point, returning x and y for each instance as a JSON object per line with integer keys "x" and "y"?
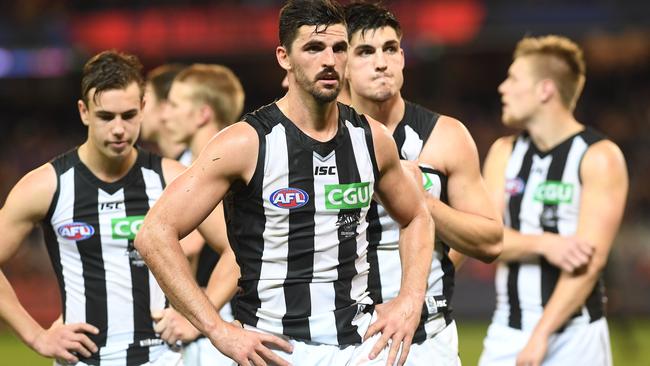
{"x": 313, "y": 43}
{"x": 343, "y": 45}
{"x": 129, "y": 114}
{"x": 363, "y": 47}
{"x": 393, "y": 43}
{"x": 105, "y": 114}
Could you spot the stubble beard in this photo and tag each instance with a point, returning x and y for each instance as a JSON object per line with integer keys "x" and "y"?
{"x": 322, "y": 95}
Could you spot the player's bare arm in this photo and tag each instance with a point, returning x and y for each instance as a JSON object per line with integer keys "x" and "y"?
{"x": 170, "y": 324}
{"x": 26, "y": 205}
{"x": 567, "y": 253}
{"x": 230, "y": 156}
{"x": 605, "y": 185}
{"x": 470, "y": 224}
{"x": 397, "y": 320}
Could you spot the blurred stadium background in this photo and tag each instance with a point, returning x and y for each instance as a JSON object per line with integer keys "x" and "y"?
{"x": 457, "y": 52}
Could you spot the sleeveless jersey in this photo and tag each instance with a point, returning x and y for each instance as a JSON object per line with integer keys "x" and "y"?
{"x": 411, "y": 134}
{"x": 89, "y": 232}
{"x": 298, "y": 229}
{"x": 542, "y": 194}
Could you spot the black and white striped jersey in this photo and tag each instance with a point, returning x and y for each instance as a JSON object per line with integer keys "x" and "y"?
{"x": 542, "y": 194}
{"x": 383, "y": 234}
{"x": 89, "y": 232}
{"x": 298, "y": 229}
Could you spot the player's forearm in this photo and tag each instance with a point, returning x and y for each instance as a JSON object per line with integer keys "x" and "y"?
{"x": 471, "y": 234}
{"x": 416, "y": 251}
{"x": 222, "y": 285}
{"x": 571, "y": 291}
{"x": 15, "y": 315}
{"x": 164, "y": 257}
{"x": 517, "y": 246}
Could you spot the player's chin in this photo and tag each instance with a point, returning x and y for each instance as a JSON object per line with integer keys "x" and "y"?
{"x": 118, "y": 149}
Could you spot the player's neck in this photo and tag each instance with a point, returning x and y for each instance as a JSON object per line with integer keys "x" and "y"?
{"x": 316, "y": 119}
{"x": 202, "y": 137}
{"x": 107, "y": 169}
{"x": 549, "y": 129}
{"x": 389, "y": 112}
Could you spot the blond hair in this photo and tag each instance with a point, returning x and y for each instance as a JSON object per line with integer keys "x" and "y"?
{"x": 218, "y": 87}
{"x": 559, "y": 59}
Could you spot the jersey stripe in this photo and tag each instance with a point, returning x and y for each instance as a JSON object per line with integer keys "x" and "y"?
{"x": 347, "y": 173}
{"x": 137, "y": 204}
{"x": 90, "y": 251}
{"x": 514, "y": 204}
{"x": 300, "y": 256}
{"x": 550, "y": 273}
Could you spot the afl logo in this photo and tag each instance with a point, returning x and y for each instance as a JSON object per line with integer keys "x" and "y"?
{"x": 289, "y": 198}
{"x": 515, "y": 186}
{"x": 76, "y": 231}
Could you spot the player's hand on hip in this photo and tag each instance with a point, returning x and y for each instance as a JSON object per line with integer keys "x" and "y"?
{"x": 173, "y": 327}
{"x": 397, "y": 321}
{"x": 66, "y": 341}
{"x": 250, "y": 348}
{"x": 570, "y": 254}
{"x": 534, "y": 352}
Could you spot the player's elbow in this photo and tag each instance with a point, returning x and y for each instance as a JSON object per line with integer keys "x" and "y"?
{"x": 492, "y": 244}
{"x": 597, "y": 265}
{"x": 144, "y": 238}
{"x": 491, "y": 252}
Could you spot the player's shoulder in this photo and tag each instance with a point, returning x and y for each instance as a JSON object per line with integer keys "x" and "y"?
{"x": 449, "y": 129}
{"x": 504, "y": 144}
{"x": 264, "y": 118}
{"x": 603, "y": 156}
{"x": 379, "y": 131}
{"x": 35, "y": 190}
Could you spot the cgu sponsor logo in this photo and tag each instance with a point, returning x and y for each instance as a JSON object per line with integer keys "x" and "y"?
{"x": 554, "y": 192}
{"x": 76, "y": 231}
{"x": 289, "y": 198}
{"x": 347, "y": 196}
{"x": 126, "y": 227}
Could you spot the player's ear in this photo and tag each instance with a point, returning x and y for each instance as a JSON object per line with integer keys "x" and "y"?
{"x": 282, "y": 55}
{"x": 206, "y": 114}
{"x": 546, "y": 89}
{"x": 83, "y": 112}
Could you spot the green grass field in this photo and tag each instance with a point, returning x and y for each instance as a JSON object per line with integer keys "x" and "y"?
{"x": 629, "y": 345}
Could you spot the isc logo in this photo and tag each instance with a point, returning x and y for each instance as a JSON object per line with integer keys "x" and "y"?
{"x": 325, "y": 170}
{"x": 76, "y": 231}
{"x": 289, "y": 198}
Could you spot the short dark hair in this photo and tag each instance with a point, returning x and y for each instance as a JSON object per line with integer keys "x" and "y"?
{"x": 364, "y": 16}
{"x": 161, "y": 79}
{"x": 110, "y": 70}
{"x": 296, "y": 13}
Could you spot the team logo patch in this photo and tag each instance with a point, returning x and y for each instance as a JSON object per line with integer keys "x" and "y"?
{"x": 289, "y": 198}
{"x": 347, "y": 196}
{"x": 76, "y": 231}
{"x": 515, "y": 186}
